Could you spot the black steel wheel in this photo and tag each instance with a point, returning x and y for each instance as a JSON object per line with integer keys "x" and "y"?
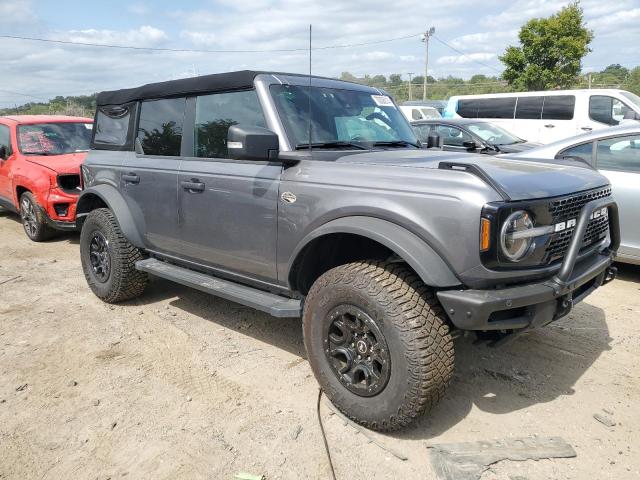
{"x": 99, "y": 256}
{"x": 357, "y": 351}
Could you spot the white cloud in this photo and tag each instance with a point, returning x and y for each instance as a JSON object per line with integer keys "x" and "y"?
{"x": 145, "y": 36}
{"x": 468, "y": 58}
{"x": 138, "y": 8}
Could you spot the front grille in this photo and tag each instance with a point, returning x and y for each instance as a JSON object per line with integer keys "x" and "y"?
{"x": 569, "y": 208}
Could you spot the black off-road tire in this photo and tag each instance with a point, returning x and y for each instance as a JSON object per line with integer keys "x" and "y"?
{"x": 123, "y": 281}
{"x": 409, "y": 317}
{"x": 34, "y": 220}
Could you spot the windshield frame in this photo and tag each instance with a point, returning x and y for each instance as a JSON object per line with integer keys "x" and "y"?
{"x": 49, "y": 153}
{"x": 295, "y": 143}
{"x": 497, "y": 128}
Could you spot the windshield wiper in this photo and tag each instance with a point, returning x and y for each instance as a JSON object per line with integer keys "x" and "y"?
{"x": 395, "y": 143}
{"x": 43, "y": 154}
{"x": 336, "y": 144}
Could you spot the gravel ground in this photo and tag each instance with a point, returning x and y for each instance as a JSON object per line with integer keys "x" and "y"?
{"x": 178, "y": 384}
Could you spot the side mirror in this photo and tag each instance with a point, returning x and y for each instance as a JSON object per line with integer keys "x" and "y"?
{"x": 252, "y": 143}
{"x": 434, "y": 141}
{"x": 470, "y": 145}
{"x": 4, "y": 154}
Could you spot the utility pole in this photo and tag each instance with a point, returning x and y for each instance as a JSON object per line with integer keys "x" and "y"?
{"x": 589, "y": 81}
{"x": 425, "y": 38}
{"x": 410, "y": 95}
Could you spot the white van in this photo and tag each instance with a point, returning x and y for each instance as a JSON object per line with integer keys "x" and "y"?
{"x": 545, "y": 117}
{"x": 419, "y": 112}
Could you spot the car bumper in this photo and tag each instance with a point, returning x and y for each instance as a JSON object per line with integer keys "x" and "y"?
{"x": 536, "y": 304}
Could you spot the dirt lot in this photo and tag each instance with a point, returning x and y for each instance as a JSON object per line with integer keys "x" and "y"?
{"x": 182, "y": 385}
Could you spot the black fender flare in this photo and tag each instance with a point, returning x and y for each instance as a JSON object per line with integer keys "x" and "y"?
{"x": 115, "y": 202}
{"x": 418, "y": 254}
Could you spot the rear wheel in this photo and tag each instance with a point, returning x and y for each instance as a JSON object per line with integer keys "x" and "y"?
{"x": 108, "y": 259}
{"x": 377, "y": 343}
{"x": 34, "y": 220}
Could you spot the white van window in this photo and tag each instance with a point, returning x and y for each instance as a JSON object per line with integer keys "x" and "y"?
{"x": 415, "y": 114}
{"x": 499, "y": 107}
{"x": 468, "y": 108}
{"x": 606, "y": 109}
{"x": 621, "y": 154}
{"x": 529, "y": 108}
{"x": 558, "y": 107}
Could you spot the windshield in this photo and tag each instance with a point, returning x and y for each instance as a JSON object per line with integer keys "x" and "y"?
{"x": 635, "y": 99}
{"x": 493, "y": 134}
{"x": 352, "y": 118}
{"x": 54, "y": 138}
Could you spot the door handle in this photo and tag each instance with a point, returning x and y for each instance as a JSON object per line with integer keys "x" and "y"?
{"x": 587, "y": 129}
{"x": 194, "y": 186}
{"x": 131, "y": 178}
{"x": 550, "y": 125}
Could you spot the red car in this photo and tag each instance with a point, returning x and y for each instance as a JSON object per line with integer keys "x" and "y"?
{"x": 40, "y": 157}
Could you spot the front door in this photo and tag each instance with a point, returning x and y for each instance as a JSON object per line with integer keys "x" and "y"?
{"x": 619, "y": 160}
{"x": 149, "y": 177}
{"x": 5, "y": 166}
{"x": 228, "y": 208}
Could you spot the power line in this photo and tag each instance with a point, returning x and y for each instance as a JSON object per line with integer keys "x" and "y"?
{"x": 190, "y": 50}
{"x": 465, "y": 55}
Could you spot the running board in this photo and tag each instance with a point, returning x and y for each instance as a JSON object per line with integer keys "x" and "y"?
{"x": 266, "y": 302}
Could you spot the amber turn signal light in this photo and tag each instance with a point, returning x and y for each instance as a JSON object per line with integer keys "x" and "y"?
{"x": 485, "y": 230}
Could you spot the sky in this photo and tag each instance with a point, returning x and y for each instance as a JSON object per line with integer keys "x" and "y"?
{"x": 479, "y": 32}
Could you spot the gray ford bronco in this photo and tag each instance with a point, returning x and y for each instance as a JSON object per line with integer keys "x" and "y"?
{"x": 311, "y": 197}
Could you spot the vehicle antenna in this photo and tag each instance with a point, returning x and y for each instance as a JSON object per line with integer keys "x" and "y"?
{"x": 309, "y": 94}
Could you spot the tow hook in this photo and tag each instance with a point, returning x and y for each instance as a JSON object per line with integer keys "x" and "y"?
{"x": 565, "y": 304}
{"x": 612, "y": 273}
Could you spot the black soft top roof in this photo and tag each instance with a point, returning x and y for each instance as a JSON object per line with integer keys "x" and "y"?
{"x": 187, "y": 86}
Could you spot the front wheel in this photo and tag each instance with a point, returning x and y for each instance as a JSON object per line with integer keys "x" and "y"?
{"x": 33, "y": 218}
{"x": 109, "y": 259}
{"x": 378, "y": 343}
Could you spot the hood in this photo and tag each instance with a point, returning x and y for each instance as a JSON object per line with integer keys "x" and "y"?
{"x": 520, "y": 180}
{"x": 67, "y": 163}
{"x": 518, "y": 147}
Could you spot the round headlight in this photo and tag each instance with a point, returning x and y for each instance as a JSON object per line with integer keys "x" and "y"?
{"x": 514, "y": 242}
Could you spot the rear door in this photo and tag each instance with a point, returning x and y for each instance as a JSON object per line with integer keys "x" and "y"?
{"x": 619, "y": 160}
{"x": 528, "y": 118}
{"x": 557, "y": 122}
{"x": 227, "y": 208}
{"x": 149, "y": 178}
{"x": 5, "y": 165}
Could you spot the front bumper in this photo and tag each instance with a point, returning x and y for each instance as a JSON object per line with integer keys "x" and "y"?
{"x": 536, "y": 304}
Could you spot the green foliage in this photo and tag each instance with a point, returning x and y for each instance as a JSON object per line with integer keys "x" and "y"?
{"x": 550, "y": 52}
{"x": 82, "y": 106}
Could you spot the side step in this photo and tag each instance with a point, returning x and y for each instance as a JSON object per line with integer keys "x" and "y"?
{"x": 267, "y": 302}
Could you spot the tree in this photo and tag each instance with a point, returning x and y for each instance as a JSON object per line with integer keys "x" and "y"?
{"x": 395, "y": 79}
{"x": 550, "y": 52}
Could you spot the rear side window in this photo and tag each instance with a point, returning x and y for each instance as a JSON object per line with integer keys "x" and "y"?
{"x": 529, "y": 108}
{"x": 468, "y": 108}
{"x": 607, "y": 110}
{"x": 160, "y": 127}
{"x": 558, "y": 107}
{"x": 584, "y": 151}
{"x": 620, "y": 154}
{"x": 112, "y": 125}
{"x": 215, "y": 113}
{"x": 496, "y": 107}
{"x": 5, "y": 139}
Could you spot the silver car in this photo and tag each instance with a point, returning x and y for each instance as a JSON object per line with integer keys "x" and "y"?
{"x": 615, "y": 152}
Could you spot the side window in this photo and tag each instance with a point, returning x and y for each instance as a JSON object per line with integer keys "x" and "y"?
{"x": 112, "y": 125}
{"x": 496, "y": 107}
{"x": 415, "y": 114}
{"x": 558, "y": 107}
{"x": 215, "y": 113}
{"x": 5, "y": 138}
{"x": 583, "y": 151}
{"x": 468, "y": 108}
{"x": 422, "y": 132}
{"x": 452, "y": 136}
{"x": 529, "y": 108}
{"x": 160, "y": 128}
{"x": 621, "y": 154}
{"x": 607, "y": 110}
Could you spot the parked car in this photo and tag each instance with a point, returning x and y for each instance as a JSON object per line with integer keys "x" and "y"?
{"x": 439, "y": 105}
{"x": 40, "y": 157}
{"x": 464, "y": 135}
{"x": 615, "y": 152}
{"x": 311, "y": 197}
{"x": 419, "y": 112}
{"x": 549, "y": 116}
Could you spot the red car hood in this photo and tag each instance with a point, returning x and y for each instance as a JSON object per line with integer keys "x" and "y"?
{"x": 67, "y": 163}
